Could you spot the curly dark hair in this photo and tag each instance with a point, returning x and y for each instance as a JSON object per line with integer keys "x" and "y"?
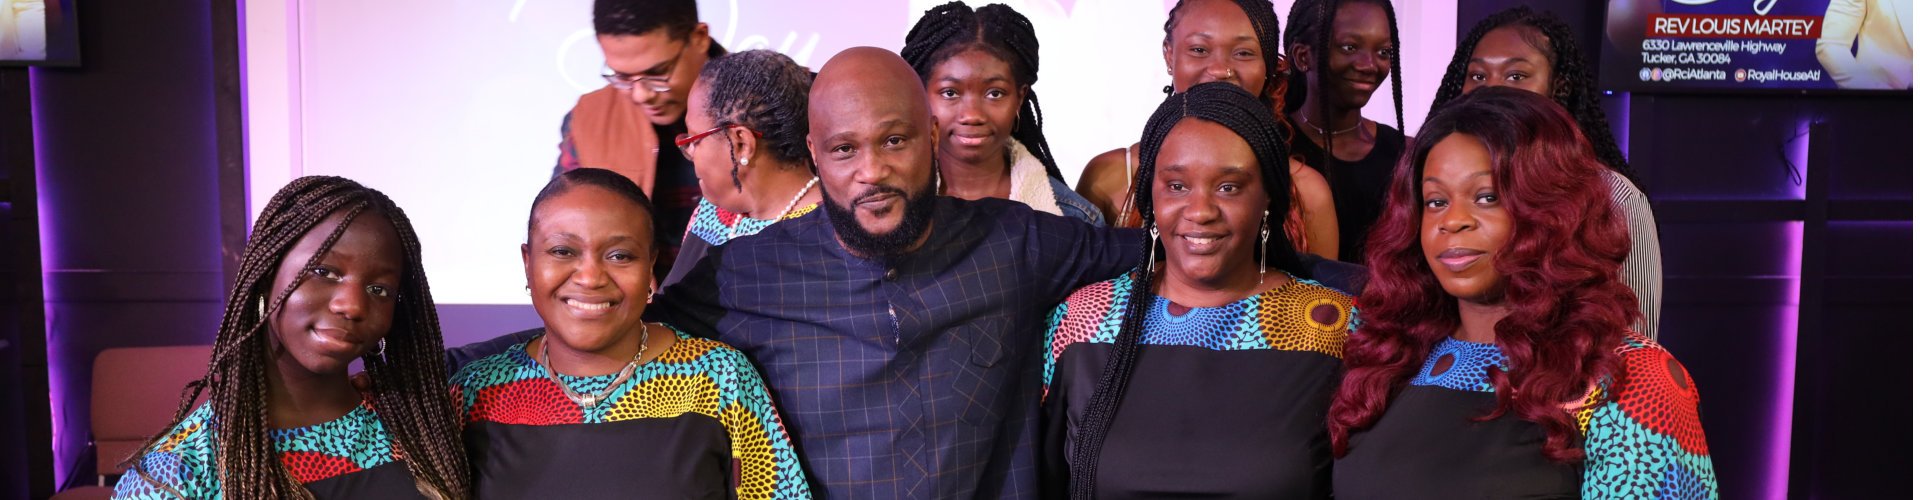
{"x": 1561, "y": 263}
{"x": 764, "y": 91}
{"x": 1238, "y": 110}
{"x": 639, "y": 17}
{"x": 999, "y": 31}
{"x": 408, "y": 380}
{"x": 1310, "y": 23}
{"x": 1574, "y": 85}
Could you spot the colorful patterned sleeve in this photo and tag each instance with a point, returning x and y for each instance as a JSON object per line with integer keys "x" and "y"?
{"x": 765, "y": 465}
{"x": 180, "y": 467}
{"x": 1647, "y": 442}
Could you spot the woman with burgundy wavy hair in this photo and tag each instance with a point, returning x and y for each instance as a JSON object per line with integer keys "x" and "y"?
{"x": 1495, "y": 359}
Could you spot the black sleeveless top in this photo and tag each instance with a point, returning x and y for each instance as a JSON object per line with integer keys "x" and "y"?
{"x": 1359, "y": 187}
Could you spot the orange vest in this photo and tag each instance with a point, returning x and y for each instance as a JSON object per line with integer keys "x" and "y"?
{"x": 609, "y": 131}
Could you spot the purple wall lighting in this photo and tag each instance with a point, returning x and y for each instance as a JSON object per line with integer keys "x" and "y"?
{"x": 49, "y": 253}
{"x": 1786, "y": 340}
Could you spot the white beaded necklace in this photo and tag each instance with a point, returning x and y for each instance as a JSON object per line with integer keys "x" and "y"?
{"x": 783, "y": 212}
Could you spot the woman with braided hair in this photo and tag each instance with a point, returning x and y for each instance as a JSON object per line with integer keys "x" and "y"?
{"x": 603, "y": 404}
{"x": 1534, "y": 51}
{"x": 1342, "y": 51}
{"x": 1207, "y": 375}
{"x": 1234, "y": 41}
{"x": 331, "y": 274}
{"x": 747, "y": 139}
{"x": 979, "y": 67}
{"x": 1496, "y": 360}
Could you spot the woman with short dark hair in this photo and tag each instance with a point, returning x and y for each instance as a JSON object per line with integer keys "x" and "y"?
{"x": 747, "y": 139}
{"x": 604, "y": 404}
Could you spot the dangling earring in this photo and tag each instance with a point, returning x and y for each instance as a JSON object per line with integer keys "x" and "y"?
{"x": 1265, "y": 232}
{"x": 262, "y": 308}
{"x": 1153, "y": 230}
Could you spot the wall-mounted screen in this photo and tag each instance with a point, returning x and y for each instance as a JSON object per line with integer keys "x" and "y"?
{"x": 1710, "y": 45}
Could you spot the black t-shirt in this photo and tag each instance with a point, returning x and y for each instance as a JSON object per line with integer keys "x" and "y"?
{"x": 1359, "y": 187}
{"x": 676, "y": 192}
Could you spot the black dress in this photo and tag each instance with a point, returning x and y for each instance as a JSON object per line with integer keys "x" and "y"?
{"x": 1643, "y": 442}
{"x": 1225, "y": 402}
{"x": 1359, "y": 187}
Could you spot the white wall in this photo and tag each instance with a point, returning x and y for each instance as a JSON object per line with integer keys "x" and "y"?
{"x": 453, "y": 107}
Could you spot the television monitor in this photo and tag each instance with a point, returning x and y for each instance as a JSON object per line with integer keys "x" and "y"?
{"x": 1758, "y": 45}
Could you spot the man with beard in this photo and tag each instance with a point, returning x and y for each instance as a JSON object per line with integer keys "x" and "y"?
{"x": 899, "y": 331}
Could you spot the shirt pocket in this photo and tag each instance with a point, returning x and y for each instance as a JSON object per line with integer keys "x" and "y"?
{"x": 982, "y": 370}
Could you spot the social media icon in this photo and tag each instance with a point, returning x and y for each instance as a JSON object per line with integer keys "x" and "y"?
{"x": 1739, "y": 75}
{"x": 1646, "y": 74}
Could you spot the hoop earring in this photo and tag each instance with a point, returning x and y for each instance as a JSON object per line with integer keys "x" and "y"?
{"x": 382, "y": 353}
{"x": 1265, "y": 232}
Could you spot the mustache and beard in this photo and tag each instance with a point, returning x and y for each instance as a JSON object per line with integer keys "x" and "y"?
{"x": 917, "y": 215}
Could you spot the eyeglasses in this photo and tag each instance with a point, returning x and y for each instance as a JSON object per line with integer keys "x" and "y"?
{"x": 685, "y": 142}
{"x": 656, "y": 84}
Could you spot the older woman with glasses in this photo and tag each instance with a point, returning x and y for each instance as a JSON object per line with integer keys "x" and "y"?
{"x": 747, "y": 123}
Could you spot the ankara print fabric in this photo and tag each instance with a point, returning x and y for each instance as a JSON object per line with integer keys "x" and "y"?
{"x": 1224, "y": 402}
{"x": 696, "y": 422}
{"x": 1643, "y": 438}
{"x": 349, "y": 457}
{"x": 713, "y": 224}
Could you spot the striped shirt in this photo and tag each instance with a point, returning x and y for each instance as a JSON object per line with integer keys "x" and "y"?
{"x": 1642, "y": 271}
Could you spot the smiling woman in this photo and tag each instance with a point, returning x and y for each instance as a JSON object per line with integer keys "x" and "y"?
{"x": 331, "y": 274}
{"x": 1342, "y": 51}
{"x": 979, "y": 67}
{"x": 1145, "y": 395}
{"x": 662, "y": 414}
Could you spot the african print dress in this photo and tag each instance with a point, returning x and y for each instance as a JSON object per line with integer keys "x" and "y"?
{"x": 347, "y": 457}
{"x": 713, "y": 226}
{"x": 1645, "y": 443}
{"x": 696, "y": 422}
{"x": 1224, "y": 402}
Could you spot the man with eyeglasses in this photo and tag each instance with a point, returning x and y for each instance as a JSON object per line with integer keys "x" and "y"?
{"x": 654, "y": 50}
